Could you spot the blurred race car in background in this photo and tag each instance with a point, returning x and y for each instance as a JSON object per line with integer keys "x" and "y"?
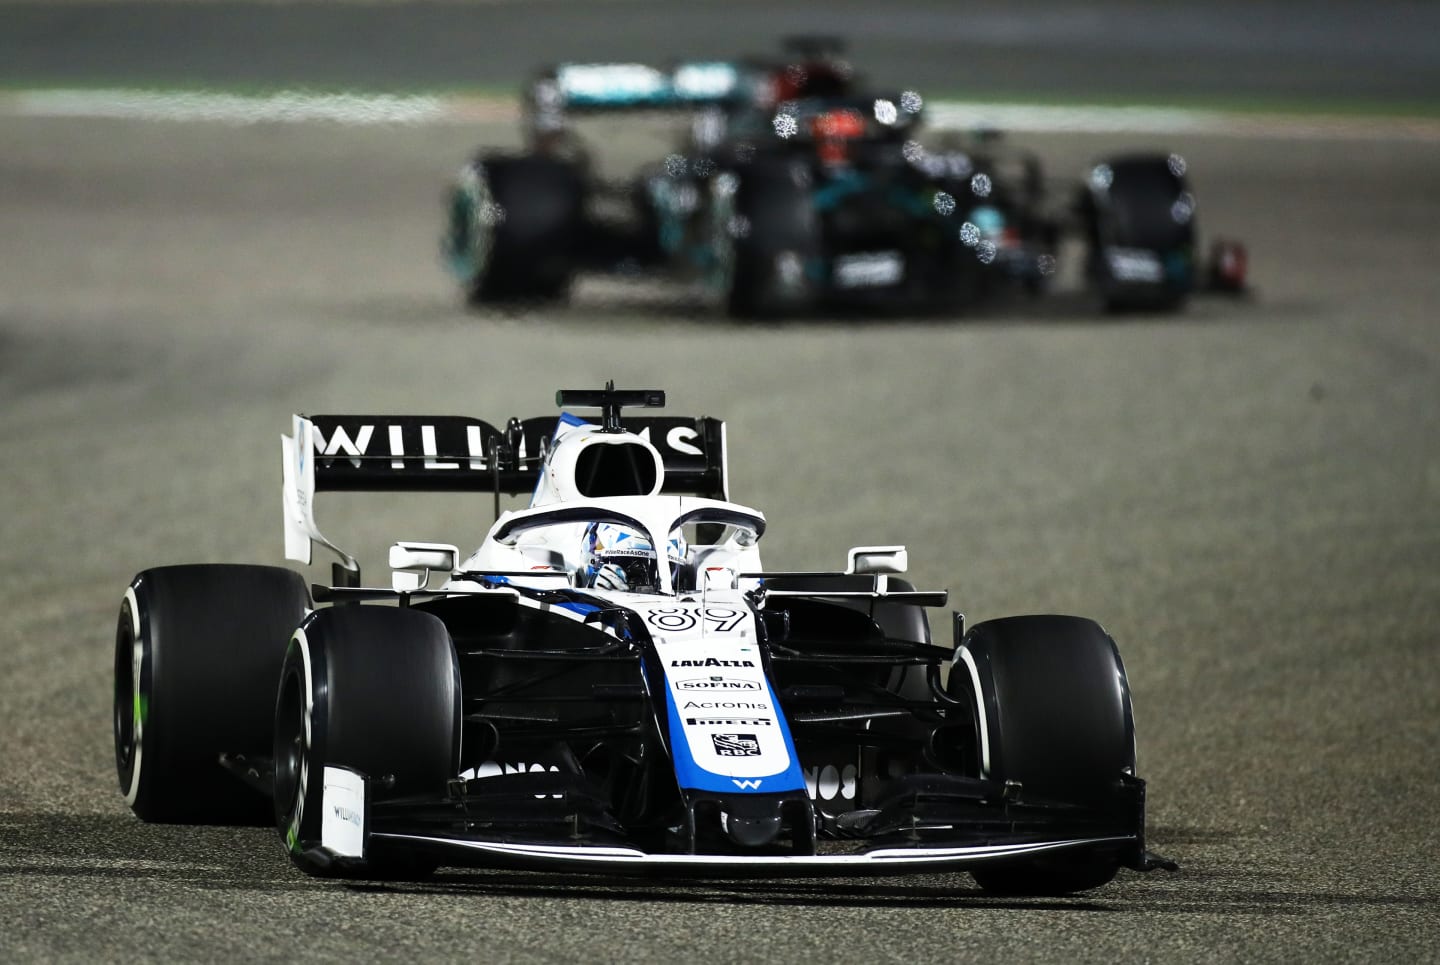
{"x": 797, "y": 187}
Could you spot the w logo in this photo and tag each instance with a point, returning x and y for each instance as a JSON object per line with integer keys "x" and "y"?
{"x": 751, "y": 785}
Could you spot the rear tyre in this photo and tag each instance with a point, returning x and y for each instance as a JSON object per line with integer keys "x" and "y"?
{"x": 767, "y": 241}
{"x": 197, "y": 649}
{"x": 375, "y": 689}
{"x": 515, "y": 228}
{"x": 1053, "y": 708}
{"x": 1139, "y": 218}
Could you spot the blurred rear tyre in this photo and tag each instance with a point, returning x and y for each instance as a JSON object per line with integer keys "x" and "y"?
{"x": 1140, "y": 209}
{"x": 515, "y": 228}
{"x": 768, "y": 242}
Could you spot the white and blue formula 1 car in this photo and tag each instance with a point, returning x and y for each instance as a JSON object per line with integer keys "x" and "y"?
{"x": 613, "y": 682}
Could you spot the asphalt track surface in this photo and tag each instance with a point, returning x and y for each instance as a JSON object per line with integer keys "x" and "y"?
{"x": 1247, "y": 496}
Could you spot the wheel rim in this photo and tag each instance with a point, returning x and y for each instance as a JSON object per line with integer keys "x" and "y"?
{"x": 289, "y": 748}
{"x": 127, "y": 698}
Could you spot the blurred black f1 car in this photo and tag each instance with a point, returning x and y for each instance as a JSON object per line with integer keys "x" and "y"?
{"x": 796, "y": 188}
{"x": 613, "y": 682}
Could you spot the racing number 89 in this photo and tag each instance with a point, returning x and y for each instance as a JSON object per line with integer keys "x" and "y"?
{"x": 677, "y": 619}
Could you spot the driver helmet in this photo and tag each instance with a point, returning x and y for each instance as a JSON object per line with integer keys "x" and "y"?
{"x": 617, "y": 557}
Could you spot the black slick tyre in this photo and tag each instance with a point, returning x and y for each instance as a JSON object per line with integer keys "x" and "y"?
{"x": 1138, "y": 213}
{"x": 375, "y": 689}
{"x": 197, "y": 651}
{"x": 767, "y": 241}
{"x": 515, "y": 229}
{"x": 1053, "y": 714}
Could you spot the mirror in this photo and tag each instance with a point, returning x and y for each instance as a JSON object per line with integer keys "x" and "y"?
{"x": 407, "y": 555}
{"x": 878, "y": 559}
{"x": 412, "y": 563}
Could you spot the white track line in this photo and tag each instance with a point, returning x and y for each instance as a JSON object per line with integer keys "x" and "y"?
{"x": 229, "y": 108}
{"x": 360, "y": 109}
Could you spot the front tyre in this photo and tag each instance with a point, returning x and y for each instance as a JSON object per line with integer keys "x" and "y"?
{"x": 374, "y": 689}
{"x": 1046, "y": 877}
{"x": 1053, "y": 711}
{"x": 196, "y": 653}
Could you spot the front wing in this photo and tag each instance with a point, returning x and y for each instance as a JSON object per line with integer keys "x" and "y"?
{"x": 452, "y": 832}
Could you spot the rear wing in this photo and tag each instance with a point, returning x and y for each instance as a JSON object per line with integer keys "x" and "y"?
{"x": 360, "y": 453}
{"x": 589, "y": 88}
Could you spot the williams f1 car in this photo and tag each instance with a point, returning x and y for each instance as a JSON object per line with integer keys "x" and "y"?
{"x": 614, "y": 682}
{"x": 797, "y": 188}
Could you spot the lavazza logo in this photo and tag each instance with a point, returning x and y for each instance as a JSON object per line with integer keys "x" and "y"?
{"x": 728, "y": 684}
{"x": 712, "y": 662}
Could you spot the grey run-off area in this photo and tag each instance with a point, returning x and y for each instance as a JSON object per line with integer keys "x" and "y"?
{"x": 1247, "y": 496}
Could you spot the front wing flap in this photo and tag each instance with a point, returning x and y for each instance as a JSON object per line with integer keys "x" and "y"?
{"x": 613, "y": 859}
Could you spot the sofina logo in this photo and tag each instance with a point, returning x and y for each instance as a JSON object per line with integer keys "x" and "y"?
{"x": 716, "y": 684}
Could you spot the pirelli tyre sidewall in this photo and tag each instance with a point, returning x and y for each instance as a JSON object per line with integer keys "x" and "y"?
{"x": 1053, "y": 714}
{"x": 197, "y": 649}
{"x": 375, "y": 689}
